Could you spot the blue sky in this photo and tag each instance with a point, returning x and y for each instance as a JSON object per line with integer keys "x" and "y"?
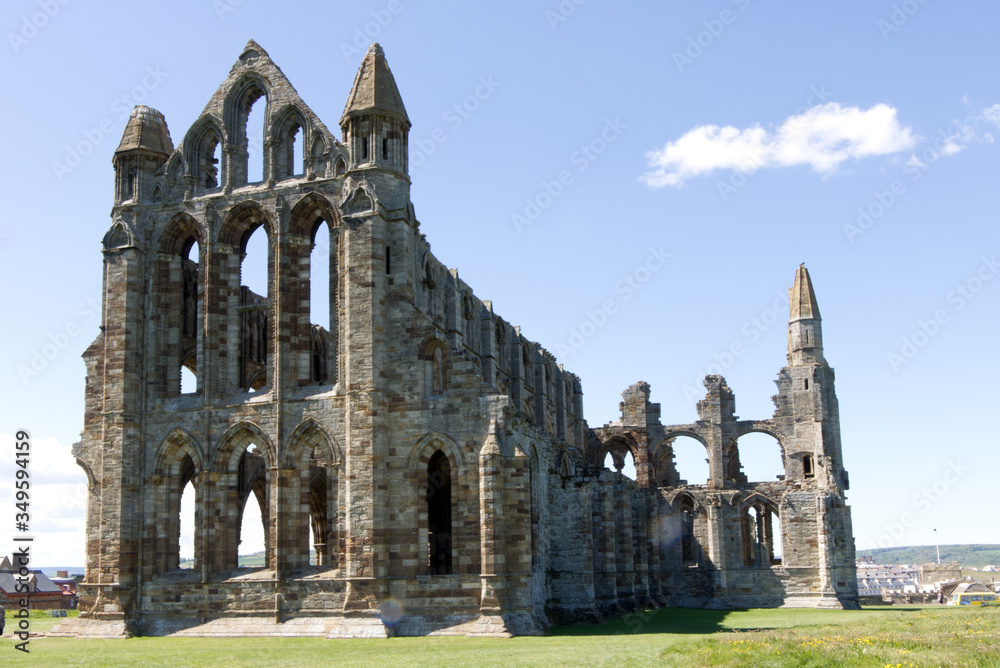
{"x": 676, "y": 161}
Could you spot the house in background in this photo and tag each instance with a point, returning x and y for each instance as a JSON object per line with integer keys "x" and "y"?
{"x": 42, "y": 594}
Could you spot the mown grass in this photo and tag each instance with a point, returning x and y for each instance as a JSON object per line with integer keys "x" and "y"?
{"x": 878, "y": 637}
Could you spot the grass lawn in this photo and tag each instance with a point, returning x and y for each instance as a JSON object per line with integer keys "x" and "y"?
{"x": 900, "y": 637}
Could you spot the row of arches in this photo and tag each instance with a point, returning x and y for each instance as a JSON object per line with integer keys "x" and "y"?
{"x": 251, "y": 142}
{"x": 761, "y": 536}
{"x": 206, "y": 506}
{"x": 189, "y": 493}
{"x": 683, "y": 459}
{"x": 242, "y": 270}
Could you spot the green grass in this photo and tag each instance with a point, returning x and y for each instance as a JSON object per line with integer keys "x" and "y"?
{"x": 878, "y": 637}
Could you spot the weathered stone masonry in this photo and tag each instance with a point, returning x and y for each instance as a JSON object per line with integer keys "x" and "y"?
{"x": 440, "y": 458}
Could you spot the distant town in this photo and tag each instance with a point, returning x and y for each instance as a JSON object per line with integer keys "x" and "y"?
{"x": 954, "y": 574}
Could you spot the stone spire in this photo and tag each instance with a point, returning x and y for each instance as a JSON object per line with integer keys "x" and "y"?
{"x": 375, "y": 125}
{"x": 805, "y": 333}
{"x": 801, "y": 298}
{"x": 374, "y": 90}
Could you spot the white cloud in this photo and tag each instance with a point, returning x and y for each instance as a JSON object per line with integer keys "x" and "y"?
{"x": 57, "y": 502}
{"x": 822, "y": 137}
{"x": 992, "y": 114}
{"x": 957, "y": 136}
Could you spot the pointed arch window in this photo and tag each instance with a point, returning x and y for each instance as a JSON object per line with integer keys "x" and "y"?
{"x": 319, "y": 520}
{"x": 437, "y": 372}
{"x": 759, "y": 521}
{"x": 245, "y": 123}
{"x": 252, "y": 475}
{"x": 209, "y": 159}
{"x": 254, "y": 309}
{"x": 178, "y": 307}
{"x": 439, "y": 528}
{"x": 290, "y": 140}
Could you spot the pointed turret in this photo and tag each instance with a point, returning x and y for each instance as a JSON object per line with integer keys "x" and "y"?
{"x": 374, "y": 123}
{"x": 144, "y": 148}
{"x": 146, "y": 131}
{"x": 374, "y": 90}
{"x": 805, "y": 332}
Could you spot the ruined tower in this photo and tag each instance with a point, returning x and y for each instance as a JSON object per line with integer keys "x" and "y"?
{"x": 437, "y": 458}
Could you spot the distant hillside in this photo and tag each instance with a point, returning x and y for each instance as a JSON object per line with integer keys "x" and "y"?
{"x": 255, "y": 560}
{"x": 975, "y": 556}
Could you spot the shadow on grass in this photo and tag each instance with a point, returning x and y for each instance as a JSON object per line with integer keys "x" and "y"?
{"x": 664, "y": 620}
{"x": 699, "y": 621}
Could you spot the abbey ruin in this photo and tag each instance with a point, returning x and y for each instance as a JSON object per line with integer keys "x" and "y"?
{"x": 436, "y": 460}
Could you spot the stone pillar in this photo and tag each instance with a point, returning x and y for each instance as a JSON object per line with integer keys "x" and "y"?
{"x": 271, "y": 147}
{"x": 490, "y": 521}
{"x": 605, "y": 570}
{"x": 716, "y": 511}
{"x": 624, "y": 547}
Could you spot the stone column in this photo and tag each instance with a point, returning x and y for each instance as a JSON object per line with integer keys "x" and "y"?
{"x": 490, "y": 520}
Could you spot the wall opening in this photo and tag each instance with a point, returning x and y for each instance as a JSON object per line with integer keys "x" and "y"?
{"x": 210, "y": 161}
{"x": 439, "y": 560}
{"x": 185, "y": 540}
{"x": 625, "y": 465}
{"x": 320, "y": 525}
{"x": 252, "y": 494}
{"x": 190, "y": 317}
{"x": 807, "y": 467}
{"x": 255, "y": 140}
{"x": 689, "y": 544}
{"x": 297, "y": 161}
{"x": 254, "y": 310}
{"x": 254, "y": 267}
{"x": 319, "y": 277}
{"x": 313, "y": 552}
{"x": 690, "y": 461}
{"x": 761, "y": 526}
{"x": 252, "y": 531}
{"x": 189, "y": 381}
{"x": 761, "y": 458}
